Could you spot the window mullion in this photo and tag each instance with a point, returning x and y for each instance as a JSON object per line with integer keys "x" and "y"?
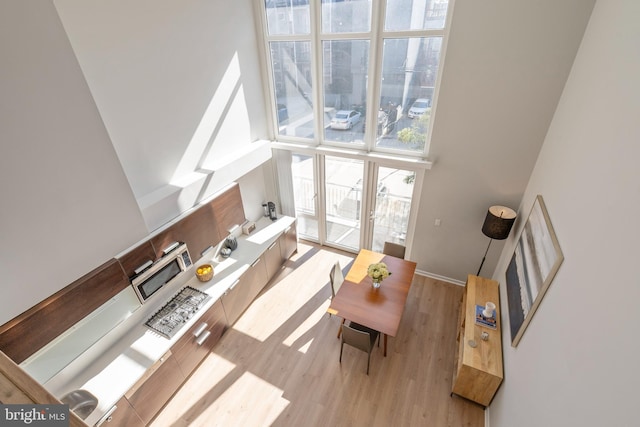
{"x": 345, "y": 36}
{"x": 374, "y": 73}
{"x": 289, "y": 38}
{"x": 267, "y": 58}
{"x": 316, "y": 47}
{"x": 410, "y": 33}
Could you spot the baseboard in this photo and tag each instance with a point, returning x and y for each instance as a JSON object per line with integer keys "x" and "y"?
{"x": 438, "y": 277}
{"x": 486, "y": 417}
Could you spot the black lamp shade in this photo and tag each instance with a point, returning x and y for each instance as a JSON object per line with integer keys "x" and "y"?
{"x": 498, "y": 222}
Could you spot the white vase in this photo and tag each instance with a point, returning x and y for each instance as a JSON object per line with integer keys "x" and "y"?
{"x": 488, "y": 309}
{"x": 376, "y": 283}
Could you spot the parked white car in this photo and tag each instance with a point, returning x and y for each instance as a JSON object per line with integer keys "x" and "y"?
{"x": 419, "y": 107}
{"x": 345, "y": 119}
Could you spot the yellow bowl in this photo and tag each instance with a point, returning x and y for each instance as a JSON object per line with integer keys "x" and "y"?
{"x": 204, "y": 273}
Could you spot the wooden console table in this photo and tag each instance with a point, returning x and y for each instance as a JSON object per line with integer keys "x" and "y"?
{"x": 478, "y": 370}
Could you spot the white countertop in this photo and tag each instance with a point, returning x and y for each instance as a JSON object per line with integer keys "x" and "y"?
{"x": 111, "y": 366}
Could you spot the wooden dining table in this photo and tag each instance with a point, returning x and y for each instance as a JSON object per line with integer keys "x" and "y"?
{"x": 377, "y": 308}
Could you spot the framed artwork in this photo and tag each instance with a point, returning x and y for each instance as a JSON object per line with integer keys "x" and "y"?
{"x": 535, "y": 261}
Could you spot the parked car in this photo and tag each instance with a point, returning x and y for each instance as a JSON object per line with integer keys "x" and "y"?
{"x": 419, "y": 107}
{"x": 345, "y": 119}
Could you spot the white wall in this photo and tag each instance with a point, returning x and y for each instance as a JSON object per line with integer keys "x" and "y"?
{"x": 253, "y": 187}
{"x": 66, "y": 204}
{"x": 178, "y": 84}
{"x": 576, "y": 364}
{"x": 505, "y": 67}
{"x": 150, "y": 70}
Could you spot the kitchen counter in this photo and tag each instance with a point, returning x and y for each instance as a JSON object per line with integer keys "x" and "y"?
{"x": 111, "y": 366}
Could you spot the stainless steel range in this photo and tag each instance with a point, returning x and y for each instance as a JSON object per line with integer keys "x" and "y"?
{"x": 174, "y": 314}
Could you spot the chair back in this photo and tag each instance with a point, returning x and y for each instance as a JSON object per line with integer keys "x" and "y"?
{"x": 336, "y": 277}
{"x": 355, "y": 338}
{"x": 394, "y": 249}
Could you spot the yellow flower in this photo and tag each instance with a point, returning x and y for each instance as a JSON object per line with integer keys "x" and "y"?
{"x": 378, "y": 271}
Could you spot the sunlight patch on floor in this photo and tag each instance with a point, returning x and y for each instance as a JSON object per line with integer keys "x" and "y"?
{"x": 305, "y": 326}
{"x": 305, "y": 347}
{"x": 250, "y": 401}
{"x": 223, "y": 367}
{"x": 280, "y": 303}
{"x": 192, "y": 397}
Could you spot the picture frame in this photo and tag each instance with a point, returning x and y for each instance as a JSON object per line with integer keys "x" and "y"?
{"x": 534, "y": 263}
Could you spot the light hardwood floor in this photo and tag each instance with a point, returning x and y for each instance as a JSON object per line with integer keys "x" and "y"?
{"x": 278, "y": 365}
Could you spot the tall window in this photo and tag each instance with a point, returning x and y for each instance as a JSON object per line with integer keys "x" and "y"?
{"x": 361, "y": 74}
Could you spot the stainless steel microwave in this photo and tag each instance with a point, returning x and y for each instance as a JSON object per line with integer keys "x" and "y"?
{"x": 161, "y": 272}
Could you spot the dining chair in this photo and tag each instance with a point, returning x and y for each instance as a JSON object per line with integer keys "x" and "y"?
{"x": 336, "y": 278}
{"x": 394, "y": 249}
{"x": 360, "y": 337}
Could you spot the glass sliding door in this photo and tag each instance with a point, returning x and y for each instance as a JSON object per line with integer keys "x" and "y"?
{"x": 390, "y": 219}
{"x": 351, "y": 203}
{"x": 343, "y": 185}
{"x": 305, "y": 193}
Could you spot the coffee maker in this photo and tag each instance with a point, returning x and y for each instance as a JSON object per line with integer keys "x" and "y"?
{"x": 271, "y": 207}
{"x": 270, "y": 210}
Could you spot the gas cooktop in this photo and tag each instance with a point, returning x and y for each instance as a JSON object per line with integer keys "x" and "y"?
{"x": 173, "y": 315}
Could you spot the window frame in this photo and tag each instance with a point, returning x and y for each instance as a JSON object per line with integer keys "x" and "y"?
{"x": 376, "y": 37}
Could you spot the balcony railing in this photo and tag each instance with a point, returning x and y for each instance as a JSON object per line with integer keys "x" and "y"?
{"x": 343, "y": 205}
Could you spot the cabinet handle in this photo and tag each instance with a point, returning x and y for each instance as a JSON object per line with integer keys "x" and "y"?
{"x": 256, "y": 262}
{"x": 200, "y": 329}
{"x": 203, "y": 338}
{"x": 234, "y": 284}
{"x": 107, "y": 417}
{"x": 272, "y": 245}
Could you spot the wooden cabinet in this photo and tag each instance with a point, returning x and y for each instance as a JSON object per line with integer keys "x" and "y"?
{"x": 198, "y": 230}
{"x": 200, "y": 339}
{"x": 257, "y": 278}
{"x": 248, "y": 286}
{"x": 136, "y": 257}
{"x": 36, "y": 327}
{"x": 156, "y": 387}
{"x": 121, "y": 415}
{"x": 478, "y": 371}
{"x": 149, "y": 395}
{"x": 289, "y": 242}
{"x": 244, "y": 290}
{"x": 228, "y": 210}
{"x": 273, "y": 259}
{"x": 235, "y": 300}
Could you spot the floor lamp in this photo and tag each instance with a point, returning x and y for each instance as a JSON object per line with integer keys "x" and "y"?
{"x": 497, "y": 226}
